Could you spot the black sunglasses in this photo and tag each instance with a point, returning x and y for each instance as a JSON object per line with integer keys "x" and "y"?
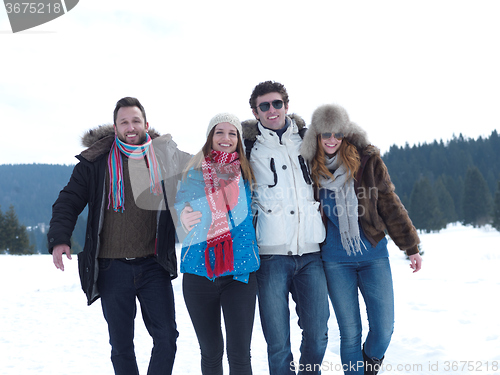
{"x": 338, "y": 136}
{"x": 265, "y": 106}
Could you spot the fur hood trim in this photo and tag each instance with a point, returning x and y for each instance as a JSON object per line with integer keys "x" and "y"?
{"x": 98, "y": 140}
{"x": 332, "y": 118}
{"x": 102, "y": 131}
{"x": 251, "y": 129}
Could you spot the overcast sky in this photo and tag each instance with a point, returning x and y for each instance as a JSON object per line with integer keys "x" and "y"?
{"x": 406, "y": 71}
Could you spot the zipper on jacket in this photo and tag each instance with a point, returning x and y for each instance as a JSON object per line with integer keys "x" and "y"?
{"x": 296, "y": 201}
{"x": 187, "y": 250}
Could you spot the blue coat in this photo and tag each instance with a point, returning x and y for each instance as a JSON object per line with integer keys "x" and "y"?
{"x": 245, "y": 249}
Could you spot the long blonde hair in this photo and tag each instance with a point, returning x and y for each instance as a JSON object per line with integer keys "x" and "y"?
{"x": 348, "y": 155}
{"x": 246, "y": 169}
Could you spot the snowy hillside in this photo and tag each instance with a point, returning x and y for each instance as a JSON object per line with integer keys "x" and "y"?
{"x": 446, "y": 316}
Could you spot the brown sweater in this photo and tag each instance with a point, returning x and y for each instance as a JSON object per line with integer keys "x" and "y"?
{"x": 131, "y": 233}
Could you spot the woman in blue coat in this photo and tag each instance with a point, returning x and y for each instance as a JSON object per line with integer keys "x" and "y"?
{"x": 219, "y": 255}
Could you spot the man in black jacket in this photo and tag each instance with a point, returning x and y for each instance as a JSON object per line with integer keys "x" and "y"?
{"x": 127, "y": 181}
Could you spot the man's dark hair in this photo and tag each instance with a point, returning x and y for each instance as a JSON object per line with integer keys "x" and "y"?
{"x": 128, "y": 102}
{"x": 264, "y": 88}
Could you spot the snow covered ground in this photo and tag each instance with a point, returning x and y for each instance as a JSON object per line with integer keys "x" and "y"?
{"x": 447, "y": 316}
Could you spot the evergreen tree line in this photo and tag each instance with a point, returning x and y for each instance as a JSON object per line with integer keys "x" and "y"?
{"x": 443, "y": 183}
{"x": 32, "y": 189}
{"x": 13, "y": 236}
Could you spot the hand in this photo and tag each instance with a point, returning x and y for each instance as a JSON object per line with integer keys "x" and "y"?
{"x": 57, "y": 253}
{"x": 190, "y": 218}
{"x": 415, "y": 262}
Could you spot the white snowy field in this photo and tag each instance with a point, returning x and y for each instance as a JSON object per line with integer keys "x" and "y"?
{"x": 447, "y": 316}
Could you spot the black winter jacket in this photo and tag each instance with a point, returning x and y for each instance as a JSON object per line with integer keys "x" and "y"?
{"x": 86, "y": 187}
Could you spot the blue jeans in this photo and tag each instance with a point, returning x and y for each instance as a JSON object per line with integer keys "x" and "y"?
{"x": 303, "y": 277}
{"x": 204, "y": 299}
{"x": 119, "y": 283}
{"x": 373, "y": 278}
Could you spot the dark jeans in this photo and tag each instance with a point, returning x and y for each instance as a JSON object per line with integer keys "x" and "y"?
{"x": 204, "y": 300}
{"x": 304, "y": 278}
{"x": 119, "y": 283}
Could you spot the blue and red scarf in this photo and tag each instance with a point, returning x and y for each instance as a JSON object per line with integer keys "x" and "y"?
{"x": 115, "y": 166}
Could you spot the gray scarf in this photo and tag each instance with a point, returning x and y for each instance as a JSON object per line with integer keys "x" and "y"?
{"x": 346, "y": 203}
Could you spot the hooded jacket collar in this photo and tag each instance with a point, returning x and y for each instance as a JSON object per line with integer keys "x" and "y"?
{"x": 251, "y": 127}
{"x": 99, "y": 140}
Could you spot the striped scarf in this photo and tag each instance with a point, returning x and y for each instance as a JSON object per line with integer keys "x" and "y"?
{"x": 115, "y": 167}
{"x": 222, "y": 196}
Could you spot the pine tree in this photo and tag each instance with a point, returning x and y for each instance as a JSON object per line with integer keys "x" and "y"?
{"x": 496, "y": 209}
{"x": 16, "y": 236}
{"x": 424, "y": 208}
{"x": 456, "y": 189}
{"x": 2, "y": 234}
{"x": 10, "y": 224}
{"x": 445, "y": 201}
{"x": 21, "y": 245}
{"x": 476, "y": 199}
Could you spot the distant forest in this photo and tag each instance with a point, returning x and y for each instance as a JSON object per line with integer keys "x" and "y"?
{"x": 32, "y": 189}
{"x": 439, "y": 183}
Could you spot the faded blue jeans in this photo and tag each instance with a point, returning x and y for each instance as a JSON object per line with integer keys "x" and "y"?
{"x": 373, "y": 278}
{"x": 120, "y": 282}
{"x": 302, "y": 276}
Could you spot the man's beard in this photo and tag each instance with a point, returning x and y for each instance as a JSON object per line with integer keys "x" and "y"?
{"x": 142, "y": 139}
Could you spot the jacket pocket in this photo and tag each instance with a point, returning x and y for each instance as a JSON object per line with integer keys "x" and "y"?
{"x": 265, "y": 172}
{"x": 84, "y": 270}
{"x": 270, "y": 229}
{"x": 314, "y": 228}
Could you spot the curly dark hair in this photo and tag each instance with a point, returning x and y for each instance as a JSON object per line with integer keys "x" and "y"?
{"x": 128, "y": 102}
{"x": 266, "y": 87}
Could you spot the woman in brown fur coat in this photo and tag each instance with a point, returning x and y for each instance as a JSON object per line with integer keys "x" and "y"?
{"x": 359, "y": 206}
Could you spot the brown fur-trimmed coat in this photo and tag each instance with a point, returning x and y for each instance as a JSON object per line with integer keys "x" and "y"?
{"x": 380, "y": 209}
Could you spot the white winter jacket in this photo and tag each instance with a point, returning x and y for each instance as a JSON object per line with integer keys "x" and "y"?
{"x": 288, "y": 217}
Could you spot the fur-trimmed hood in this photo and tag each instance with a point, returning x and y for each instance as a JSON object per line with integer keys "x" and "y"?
{"x": 251, "y": 129}
{"x": 331, "y": 118}
{"x": 99, "y": 140}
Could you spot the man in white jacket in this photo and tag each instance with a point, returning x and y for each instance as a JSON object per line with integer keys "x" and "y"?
{"x": 289, "y": 229}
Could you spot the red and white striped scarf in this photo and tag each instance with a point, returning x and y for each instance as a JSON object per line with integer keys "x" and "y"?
{"x": 115, "y": 166}
{"x": 222, "y": 196}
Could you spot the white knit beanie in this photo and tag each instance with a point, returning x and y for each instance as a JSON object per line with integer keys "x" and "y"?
{"x": 225, "y": 117}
